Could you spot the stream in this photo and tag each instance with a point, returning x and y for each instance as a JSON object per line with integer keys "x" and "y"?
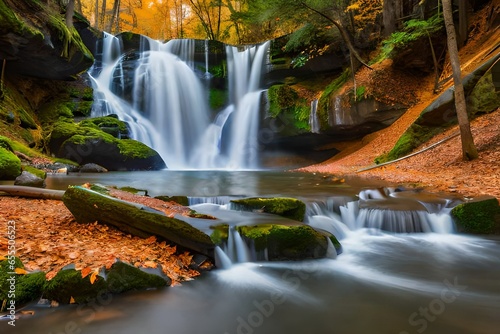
{"x": 435, "y": 281}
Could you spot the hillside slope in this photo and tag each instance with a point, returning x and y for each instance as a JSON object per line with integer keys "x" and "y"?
{"x": 440, "y": 168}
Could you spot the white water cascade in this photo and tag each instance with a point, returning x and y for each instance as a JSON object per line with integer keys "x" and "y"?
{"x": 167, "y": 108}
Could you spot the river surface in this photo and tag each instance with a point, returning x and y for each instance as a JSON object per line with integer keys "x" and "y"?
{"x": 382, "y": 282}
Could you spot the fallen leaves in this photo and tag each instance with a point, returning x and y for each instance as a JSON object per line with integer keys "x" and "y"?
{"x": 49, "y": 239}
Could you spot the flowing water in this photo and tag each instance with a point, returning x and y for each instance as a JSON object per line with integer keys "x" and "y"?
{"x": 435, "y": 281}
{"x": 168, "y": 104}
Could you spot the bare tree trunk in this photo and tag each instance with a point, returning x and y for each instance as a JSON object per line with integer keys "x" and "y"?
{"x": 343, "y": 33}
{"x": 389, "y": 17}
{"x": 96, "y": 14}
{"x": 462, "y": 23}
{"x": 103, "y": 15}
{"x": 70, "y": 11}
{"x": 469, "y": 151}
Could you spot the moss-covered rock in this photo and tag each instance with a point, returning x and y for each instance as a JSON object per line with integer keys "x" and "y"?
{"x": 282, "y": 242}
{"x": 86, "y": 142}
{"x": 291, "y": 208}
{"x": 10, "y": 165}
{"x": 285, "y": 103}
{"x": 484, "y": 98}
{"x": 28, "y": 287}
{"x": 479, "y": 216}
{"x": 123, "y": 277}
{"x": 35, "y": 171}
{"x": 69, "y": 283}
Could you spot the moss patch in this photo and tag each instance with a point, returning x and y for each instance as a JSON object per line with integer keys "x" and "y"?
{"x": 286, "y": 242}
{"x": 69, "y": 283}
{"x": 10, "y": 165}
{"x": 291, "y": 208}
{"x": 484, "y": 98}
{"x": 35, "y": 171}
{"x": 27, "y": 287}
{"x": 135, "y": 149}
{"x": 481, "y": 216}
{"x": 285, "y": 103}
{"x": 123, "y": 277}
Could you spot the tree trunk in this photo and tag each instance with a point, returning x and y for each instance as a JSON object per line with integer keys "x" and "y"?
{"x": 96, "y": 15}
{"x": 343, "y": 33}
{"x": 389, "y": 17}
{"x": 70, "y": 10}
{"x": 462, "y": 23}
{"x": 469, "y": 151}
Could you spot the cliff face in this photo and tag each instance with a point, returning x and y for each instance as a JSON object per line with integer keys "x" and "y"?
{"x": 35, "y": 41}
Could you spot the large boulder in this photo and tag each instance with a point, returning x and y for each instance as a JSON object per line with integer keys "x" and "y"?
{"x": 10, "y": 164}
{"x": 99, "y": 141}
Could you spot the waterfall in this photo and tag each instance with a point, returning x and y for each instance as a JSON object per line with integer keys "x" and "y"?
{"x": 313, "y": 117}
{"x": 355, "y": 215}
{"x": 165, "y": 102}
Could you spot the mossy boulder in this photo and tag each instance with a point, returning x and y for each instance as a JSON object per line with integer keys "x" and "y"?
{"x": 10, "y": 164}
{"x": 86, "y": 142}
{"x": 478, "y": 216}
{"x": 28, "y": 179}
{"x": 484, "y": 98}
{"x": 69, "y": 283}
{"x": 28, "y": 287}
{"x": 287, "y": 207}
{"x": 280, "y": 242}
{"x": 89, "y": 206}
{"x": 123, "y": 277}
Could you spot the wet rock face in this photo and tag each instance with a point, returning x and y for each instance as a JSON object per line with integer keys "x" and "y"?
{"x": 43, "y": 47}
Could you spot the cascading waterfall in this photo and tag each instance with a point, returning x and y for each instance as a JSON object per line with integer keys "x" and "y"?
{"x": 313, "y": 117}
{"x": 168, "y": 105}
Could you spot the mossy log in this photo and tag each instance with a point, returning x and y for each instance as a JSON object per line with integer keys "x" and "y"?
{"x": 89, "y": 206}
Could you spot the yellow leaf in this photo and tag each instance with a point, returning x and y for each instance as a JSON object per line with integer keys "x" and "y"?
{"x": 20, "y": 271}
{"x": 93, "y": 277}
{"x": 72, "y": 300}
{"x": 3, "y": 258}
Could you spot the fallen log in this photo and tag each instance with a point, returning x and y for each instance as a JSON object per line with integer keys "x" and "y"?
{"x": 89, "y": 206}
{"x": 32, "y": 192}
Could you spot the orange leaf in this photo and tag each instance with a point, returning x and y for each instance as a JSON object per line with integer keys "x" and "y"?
{"x": 3, "y": 258}
{"x": 50, "y": 275}
{"x": 151, "y": 239}
{"x": 86, "y": 271}
{"x": 93, "y": 277}
{"x": 20, "y": 271}
{"x": 72, "y": 300}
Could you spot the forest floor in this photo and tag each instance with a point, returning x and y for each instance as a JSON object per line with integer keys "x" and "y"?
{"x": 441, "y": 168}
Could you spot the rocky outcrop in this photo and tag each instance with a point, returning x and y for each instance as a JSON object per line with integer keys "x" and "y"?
{"x": 291, "y": 208}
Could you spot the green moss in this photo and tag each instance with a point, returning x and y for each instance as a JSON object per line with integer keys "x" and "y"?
{"x": 285, "y": 103}
{"x": 415, "y": 136}
{"x": 6, "y": 143}
{"x": 10, "y": 22}
{"x": 134, "y": 149}
{"x": 123, "y": 277}
{"x": 10, "y": 165}
{"x": 82, "y": 108}
{"x": 291, "y": 208}
{"x": 484, "y": 98}
{"x": 324, "y": 101}
{"x": 35, "y": 171}
{"x": 26, "y": 120}
{"x": 27, "y": 287}
{"x": 481, "y": 216}
{"x": 69, "y": 283}
{"x": 106, "y": 121}
{"x": 217, "y": 98}
{"x": 70, "y": 38}
{"x": 286, "y": 242}
{"x": 220, "y": 234}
